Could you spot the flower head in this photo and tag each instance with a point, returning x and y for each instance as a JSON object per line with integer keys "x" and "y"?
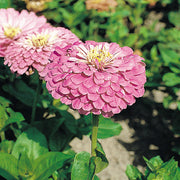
{"x": 101, "y": 5}
{"x": 102, "y": 78}
{"x": 13, "y": 25}
{"x": 33, "y": 50}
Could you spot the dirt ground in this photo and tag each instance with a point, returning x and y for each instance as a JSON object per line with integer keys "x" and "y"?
{"x": 145, "y": 132}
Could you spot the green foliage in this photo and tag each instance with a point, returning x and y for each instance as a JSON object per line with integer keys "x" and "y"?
{"x": 82, "y": 168}
{"x": 85, "y": 167}
{"x": 5, "y": 3}
{"x": 156, "y": 170}
{"x": 107, "y": 128}
{"x": 30, "y": 157}
{"x": 41, "y": 150}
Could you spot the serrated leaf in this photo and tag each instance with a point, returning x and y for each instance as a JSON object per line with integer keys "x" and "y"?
{"x": 133, "y": 173}
{"x": 156, "y": 162}
{"x": 47, "y": 163}
{"x": 32, "y": 142}
{"x": 108, "y": 128}
{"x": 8, "y": 166}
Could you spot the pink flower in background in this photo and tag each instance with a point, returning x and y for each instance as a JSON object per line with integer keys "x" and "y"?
{"x": 14, "y": 24}
{"x": 102, "y": 78}
{"x": 33, "y": 50}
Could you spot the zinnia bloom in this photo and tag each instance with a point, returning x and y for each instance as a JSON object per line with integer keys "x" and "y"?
{"x": 14, "y": 24}
{"x": 102, "y": 78}
{"x": 101, "y": 5}
{"x": 33, "y": 50}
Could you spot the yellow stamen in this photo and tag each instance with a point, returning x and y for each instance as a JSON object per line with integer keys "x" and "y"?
{"x": 99, "y": 54}
{"x": 39, "y": 40}
{"x": 11, "y": 32}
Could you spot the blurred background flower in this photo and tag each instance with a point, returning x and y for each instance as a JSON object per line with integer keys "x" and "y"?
{"x": 14, "y": 25}
{"x": 36, "y": 5}
{"x": 101, "y": 5}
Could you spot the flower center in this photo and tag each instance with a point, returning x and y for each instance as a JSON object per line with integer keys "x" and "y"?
{"x": 99, "y": 57}
{"x": 11, "y": 32}
{"x": 39, "y": 40}
{"x": 97, "y": 1}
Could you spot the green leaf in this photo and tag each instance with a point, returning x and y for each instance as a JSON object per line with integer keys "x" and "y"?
{"x": 149, "y": 164}
{"x": 171, "y": 79}
{"x": 156, "y": 162}
{"x": 6, "y": 146}
{"x": 81, "y": 169}
{"x": 178, "y": 173}
{"x": 130, "y": 40}
{"x": 47, "y": 163}
{"x": 96, "y": 178}
{"x": 5, "y": 3}
{"x": 174, "y": 18}
{"x": 100, "y": 160}
{"x": 154, "y": 52}
{"x": 169, "y": 169}
{"x": 24, "y": 166}
{"x": 4, "y": 102}
{"x": 14, "y": 118}
{"x": 8, "y": 166}
{"x": 133, "y": 173}
{"x": 59, "y": 140}
{"x": 167, "y": 101}
{"x": 168, "y": 55}
{"x": 3, "y": 117}
{"x": 108, "y": 128}
{"x": 70, "y": 122}
{"x": 32, "y": 142}
{"x": 21, "y": 91}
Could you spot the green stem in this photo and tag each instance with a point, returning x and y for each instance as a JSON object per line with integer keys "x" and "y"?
{"x": 2, "y": 135}
{"x": 38, "y": 89}
{"x": 95, "y": 122}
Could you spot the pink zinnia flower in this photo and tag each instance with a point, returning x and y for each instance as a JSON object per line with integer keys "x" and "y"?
{"x": 14, "y": 24}
{"x": 102, "y": 78}
{"x": 33, "y": 50}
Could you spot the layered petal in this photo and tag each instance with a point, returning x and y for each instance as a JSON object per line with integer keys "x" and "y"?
{"x": 106, "y": 88}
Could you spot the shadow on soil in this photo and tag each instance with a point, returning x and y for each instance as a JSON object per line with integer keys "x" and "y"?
{"x": 153, "y": 136}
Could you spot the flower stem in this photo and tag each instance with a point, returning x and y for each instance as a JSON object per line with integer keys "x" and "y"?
{"x": 35, "y": 101}
{"x": 95, "y": 122}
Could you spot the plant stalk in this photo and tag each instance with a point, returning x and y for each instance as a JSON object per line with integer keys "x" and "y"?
{"x": 95, "y": 122}
{"x": 34, "y": 106}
